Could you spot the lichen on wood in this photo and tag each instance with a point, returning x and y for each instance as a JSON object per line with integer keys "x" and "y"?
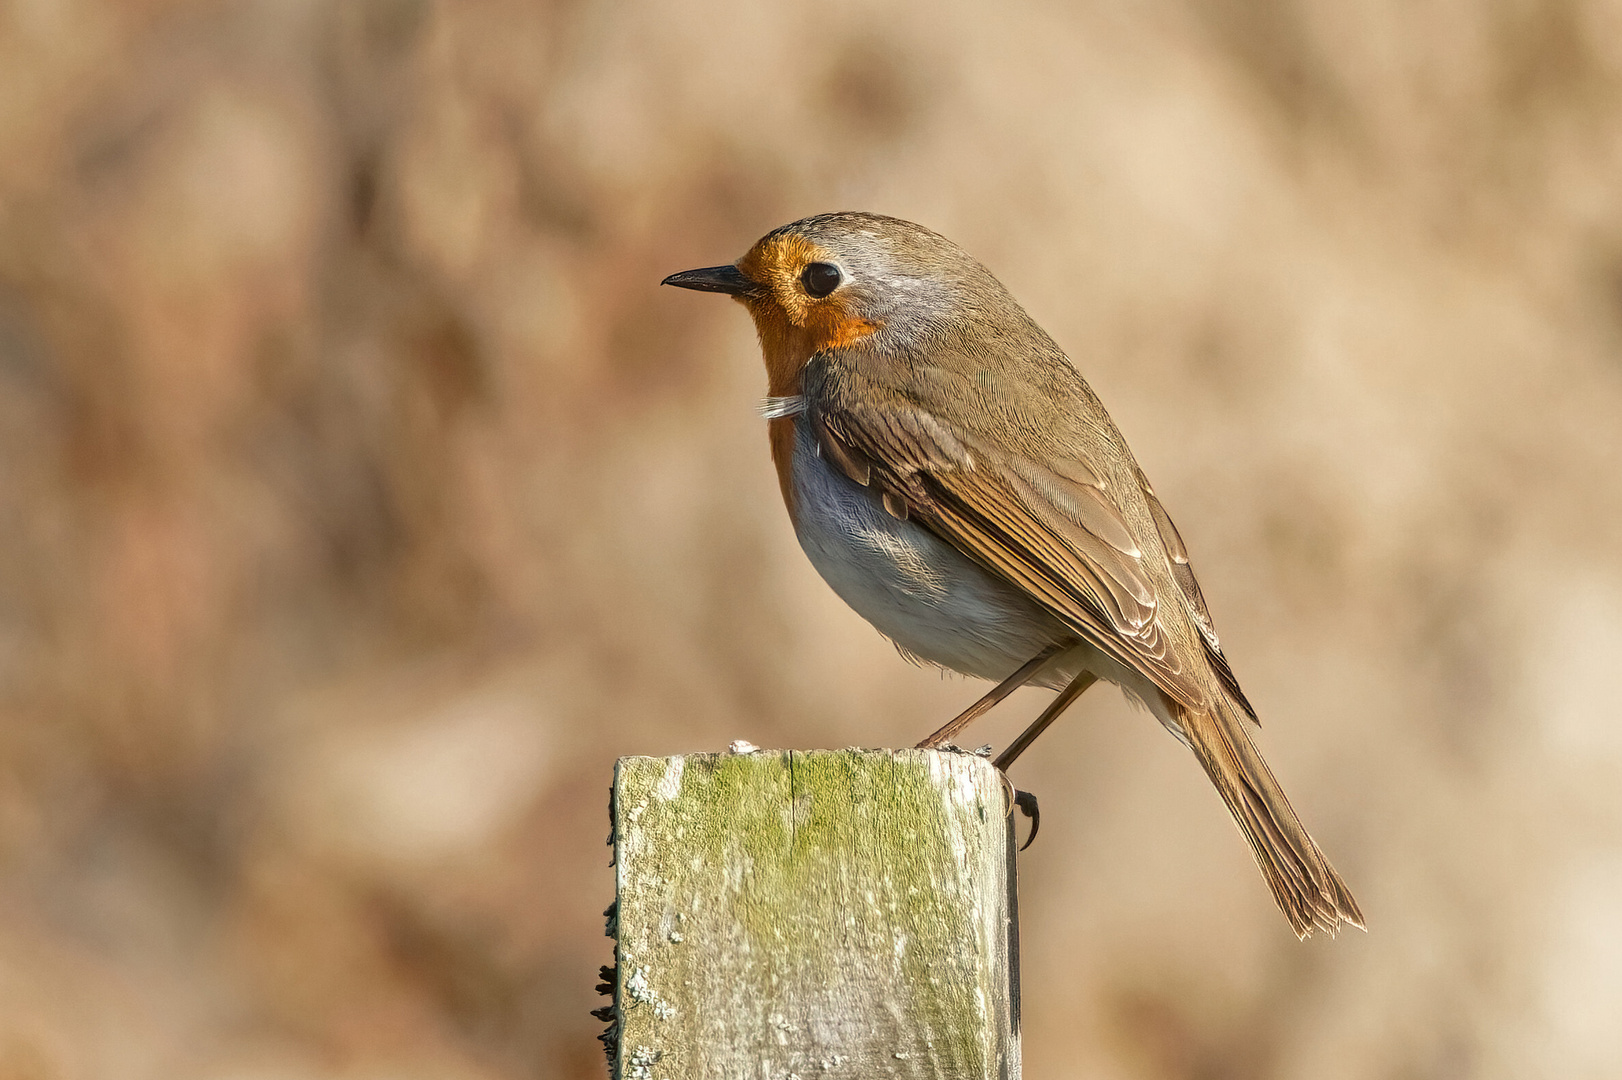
{"x": 814, "y": 913}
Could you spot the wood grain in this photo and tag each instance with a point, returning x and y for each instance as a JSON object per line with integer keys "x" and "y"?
{"x": 815, "y": 914}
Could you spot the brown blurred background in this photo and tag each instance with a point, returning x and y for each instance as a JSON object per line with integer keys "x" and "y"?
{"x": 362, "y": 497}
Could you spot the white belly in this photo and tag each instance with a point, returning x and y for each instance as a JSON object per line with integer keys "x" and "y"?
{"x": 915, "y": 588}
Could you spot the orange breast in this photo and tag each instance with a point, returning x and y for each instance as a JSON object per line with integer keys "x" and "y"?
{"x": 781, "y": 434}
{"x": 793, "y": 327}
{"x": 786, "y": 349}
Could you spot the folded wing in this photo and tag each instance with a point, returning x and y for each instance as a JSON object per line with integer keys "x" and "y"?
{"x": 1051, "y": 529}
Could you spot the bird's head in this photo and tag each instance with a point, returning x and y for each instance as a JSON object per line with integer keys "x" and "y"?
{"x": 832, "y": 280}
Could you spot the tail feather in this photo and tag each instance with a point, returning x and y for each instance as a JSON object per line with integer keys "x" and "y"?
{"x": 1307, "y": 889}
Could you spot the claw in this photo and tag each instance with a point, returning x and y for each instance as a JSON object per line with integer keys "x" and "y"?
{"x": 1026, "y": 801}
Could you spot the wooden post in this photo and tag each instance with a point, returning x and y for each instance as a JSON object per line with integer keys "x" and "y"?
{"x": 814, "y": 914}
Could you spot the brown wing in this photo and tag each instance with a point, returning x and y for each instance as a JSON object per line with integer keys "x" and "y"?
{"x": 1183, "y": 574}
{"x": 1048, "y": 528}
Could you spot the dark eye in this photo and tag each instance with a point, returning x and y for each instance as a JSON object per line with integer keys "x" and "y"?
{"x": 820, "y": 279}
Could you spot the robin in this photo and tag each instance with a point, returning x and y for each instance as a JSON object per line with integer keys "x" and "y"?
{"x": 955, "y": 480}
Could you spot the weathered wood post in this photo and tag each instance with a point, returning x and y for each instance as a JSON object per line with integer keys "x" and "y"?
{"x": 819, "y": 913}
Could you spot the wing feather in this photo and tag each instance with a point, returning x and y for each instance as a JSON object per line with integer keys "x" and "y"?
{"x": 1055, "y": 536}
{"x": 1183, "y": 574}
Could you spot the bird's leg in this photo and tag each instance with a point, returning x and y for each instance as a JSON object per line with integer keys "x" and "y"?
{"x": 1025, "y": 674}
{"x": 1066, "y": 697}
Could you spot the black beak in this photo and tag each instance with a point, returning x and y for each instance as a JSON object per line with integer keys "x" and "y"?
{"x": 721, "y": 279}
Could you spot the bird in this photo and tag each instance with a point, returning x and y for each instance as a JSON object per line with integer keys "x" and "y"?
{"x": 954, "y": 479}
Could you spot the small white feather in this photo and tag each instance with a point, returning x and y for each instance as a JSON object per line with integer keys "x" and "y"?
{"x": 778, "y": 408}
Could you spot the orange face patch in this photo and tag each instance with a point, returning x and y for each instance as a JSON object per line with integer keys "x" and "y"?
{"x": 793, "y": 325}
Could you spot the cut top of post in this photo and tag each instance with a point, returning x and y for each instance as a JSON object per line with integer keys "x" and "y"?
{"x": 815, "y": 914}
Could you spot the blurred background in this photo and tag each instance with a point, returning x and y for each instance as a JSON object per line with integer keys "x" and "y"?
{"x": 362, "y": 497}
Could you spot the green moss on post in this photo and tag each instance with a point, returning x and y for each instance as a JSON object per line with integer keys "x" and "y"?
{"x": 815, "y": 914}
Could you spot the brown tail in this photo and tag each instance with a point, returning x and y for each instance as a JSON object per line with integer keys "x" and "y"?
{"x": 1307, "y": 889}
